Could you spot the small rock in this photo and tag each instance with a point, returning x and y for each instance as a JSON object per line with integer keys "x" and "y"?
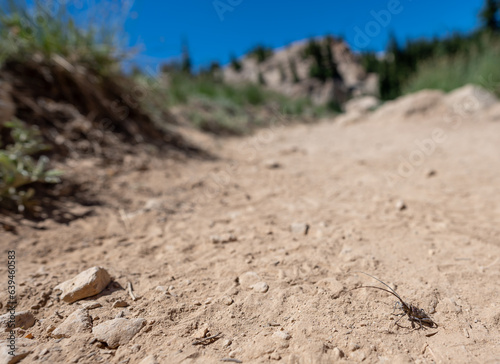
{"x": 86, "y": 284}
{"x": 228, "y": 301}
{"x": 120, "y": 303}
{"x": 23, "y": 319}
{"x": 92, "y": 305}
{"x": 248, "y": 279}
{"x": 282, "y": 335}
{"x": 275, "y": 356}
{"x": 358, "y": 356}
{"x": 223, "y": 239}
{"x": 50, "y": 328}
{"x": 353, "y": 346}
{"x": 299, "y": 228}
{"x": 273, "y": 164}
{"x": 226, "y": 343}
{"x": 260, "y": 287}
{"x": 118, "y": 331}
{"x": 337, "y": 353}
{"x": 400, "y": 205}
{"x": 135, "y": 348}
{"x": 78, "y": 322}
{"x": 23, "y": 347}
{"x": 201, "y": 332}
{"x": 430, "y": 173}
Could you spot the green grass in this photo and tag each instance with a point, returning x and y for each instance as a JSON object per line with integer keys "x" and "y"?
{"x": 222, "y": 108}
{"x": 478, "y": 65}
{"x": 39, "y": 28}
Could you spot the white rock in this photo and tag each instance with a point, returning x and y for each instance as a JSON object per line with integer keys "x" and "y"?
{"x": 400, "y": 205}
{"x": 78, "y": 322}
{"x": 86, "y": 284}
{"x": 284, "y": 335}
{"x": 228, "y": 301}
{"x": 23, "y": 319}
{"x": 118, "y": 331}
{"x": 299, "y": 228}
{"x": 260, "y": 287}
{"x": 248, "y": 279}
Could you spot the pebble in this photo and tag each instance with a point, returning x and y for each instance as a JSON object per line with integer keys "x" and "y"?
{"x": 226, "y": 343}
{"x": 248, "y": 279}
{"x": 400, "y": 205}
{"x": 358, "y": 356}
{"x": 282, "y": 335}
{"x": 78, "y": 322}
{"x": 272, "y": 164}
{"x": 337, "y": 353}
{"x": 118, "y": 331}
{"x": 299, "y": 228}
{"x": 228, "y": 301}
{"x": 201, "y": 332}
{"x": 354, "y": 346}
{"x": 275, "y": 356}
{"x": 120, "y": 303}
{"x": 86, "y": 284}
{"x": 430, "y": 173}
{"x": 92, "y": 305}
{"x": 223, "y": 239}
{"x": 24, "y": 319}
{"x": 260, "y": 287}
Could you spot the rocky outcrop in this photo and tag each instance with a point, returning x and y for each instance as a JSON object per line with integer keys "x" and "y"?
{"x": 288, "y": 70}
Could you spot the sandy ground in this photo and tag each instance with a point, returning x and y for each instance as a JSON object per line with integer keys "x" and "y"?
{"x": 186, "y": 233}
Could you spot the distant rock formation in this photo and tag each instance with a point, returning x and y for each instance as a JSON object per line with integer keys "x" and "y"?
{"x": 323, "y": 69}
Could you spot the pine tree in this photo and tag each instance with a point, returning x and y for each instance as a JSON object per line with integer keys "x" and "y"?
{"x": 186, "y": 59}
{"x": 490, "y": 15}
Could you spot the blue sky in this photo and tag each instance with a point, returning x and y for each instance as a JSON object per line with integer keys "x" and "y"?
{"x": 216, "y": 29}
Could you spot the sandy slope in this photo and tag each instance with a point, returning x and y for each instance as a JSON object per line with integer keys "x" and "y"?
{"x": 441, "y": 253}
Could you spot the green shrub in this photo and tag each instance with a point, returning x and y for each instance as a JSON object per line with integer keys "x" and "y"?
{"x": 19, "y": 168}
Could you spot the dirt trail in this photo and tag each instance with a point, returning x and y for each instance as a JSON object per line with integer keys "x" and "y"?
{"x": 168, "y": 227}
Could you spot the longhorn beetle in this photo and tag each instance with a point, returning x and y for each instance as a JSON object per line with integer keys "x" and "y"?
{"x": 414, "y": 314}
